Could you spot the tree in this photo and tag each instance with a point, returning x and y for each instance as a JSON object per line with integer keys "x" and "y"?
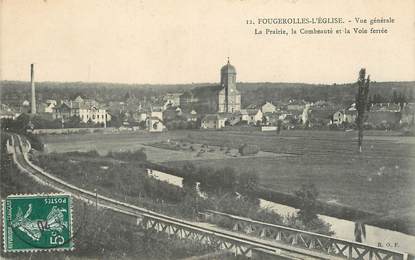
{"x": 73, "y": 122}
{"x": 361, "y": 103}
{"x": 248, "y": 183}
{"x": 307, "y": 195}
{"x": 279, "y": 125}
{"x": 190, "y": 177}
{"x": 395, "y": 98}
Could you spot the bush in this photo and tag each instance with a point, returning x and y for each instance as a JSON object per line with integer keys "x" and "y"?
{"x": 138, "y": 155}
{"x": 89, "y": 154}
{"x": 307, "y": 195}
{"x": 35, "y": 141}
{"x": 248, "y": 149}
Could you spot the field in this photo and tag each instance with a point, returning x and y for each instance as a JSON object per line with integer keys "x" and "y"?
{"x": 379, "y": 180}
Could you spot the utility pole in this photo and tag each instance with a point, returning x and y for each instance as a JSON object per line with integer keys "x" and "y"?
{"x": 361, "y": 103}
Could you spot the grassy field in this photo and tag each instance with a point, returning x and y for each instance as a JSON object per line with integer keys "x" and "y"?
{"x": 381, "y": 179}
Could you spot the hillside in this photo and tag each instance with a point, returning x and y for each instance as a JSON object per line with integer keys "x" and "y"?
{"x": 252, "y": 93}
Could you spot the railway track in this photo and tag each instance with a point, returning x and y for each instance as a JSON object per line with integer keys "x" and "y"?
{"x": 20, "y": 148}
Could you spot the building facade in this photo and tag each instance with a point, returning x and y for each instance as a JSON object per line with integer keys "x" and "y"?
{"x": 268, "y": 107}
{"x": 86, "y": 110}
{"x": 212, "y": 121}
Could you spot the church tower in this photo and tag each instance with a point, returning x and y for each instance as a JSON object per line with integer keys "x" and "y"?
{"x": 229, "y": 96}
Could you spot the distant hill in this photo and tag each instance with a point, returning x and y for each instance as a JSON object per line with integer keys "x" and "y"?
{"x": 252, "y": 93}
{"x": 256, "y": 93}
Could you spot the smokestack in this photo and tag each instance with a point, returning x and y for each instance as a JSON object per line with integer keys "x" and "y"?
{"x": 32, "y": 81}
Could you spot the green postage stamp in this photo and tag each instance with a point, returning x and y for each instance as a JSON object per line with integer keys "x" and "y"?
{"x": 37, "y": 222}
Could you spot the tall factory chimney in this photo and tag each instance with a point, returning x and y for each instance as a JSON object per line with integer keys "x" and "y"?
{"x": 32, "y": 81}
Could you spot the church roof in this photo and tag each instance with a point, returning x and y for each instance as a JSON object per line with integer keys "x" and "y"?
{"x": 205, "y": 91}
{"x": 228, "y": 68}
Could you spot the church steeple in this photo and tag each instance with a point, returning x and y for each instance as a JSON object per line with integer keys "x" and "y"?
{"x": 228, "y": 75}
{"x": 230, "y": 101}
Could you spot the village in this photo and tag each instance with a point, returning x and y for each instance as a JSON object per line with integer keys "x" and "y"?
{"x": 207, "y": 107}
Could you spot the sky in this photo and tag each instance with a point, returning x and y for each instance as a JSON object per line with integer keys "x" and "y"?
{"x": 185, "y": 41}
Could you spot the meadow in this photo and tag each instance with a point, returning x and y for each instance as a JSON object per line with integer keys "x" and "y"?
{"x": 380, "y": 180}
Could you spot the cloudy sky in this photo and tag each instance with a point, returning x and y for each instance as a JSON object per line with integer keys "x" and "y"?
{"x": 185, "y": 41}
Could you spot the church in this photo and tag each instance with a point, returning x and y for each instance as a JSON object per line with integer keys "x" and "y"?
{"x": 223, "y": 98}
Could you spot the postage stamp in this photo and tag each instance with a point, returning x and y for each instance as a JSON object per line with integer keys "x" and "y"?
{"x": 37, "y": 222}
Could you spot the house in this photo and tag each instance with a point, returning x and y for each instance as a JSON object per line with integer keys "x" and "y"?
{"x": 7, "y": 113}
{"x": 93, "y": 114}
{"x": 212, "y": 121}
{"x": 350, "y": 116}
{"x": 157, "y": 112}
{"x": 172, "y": 99}
{"x": 251, "y": 116}
{"x": 47, "y": 107}
{"x": 63, "y": 111}
{"x": 338, "y": 117}
{"x": 115, "y": 107}
{"x": 320, "y": 117}
{"x": 135, "y": 116}
{"x": 268, "y": 107}
{"x": 344, "y": 116}
{"x": 173, "y": 112}
{"x": 154, "y": 125}
{"x": 271, "y": 118}
{"x": 86, "y": 109}
{"x": 231, "y": 118}
{"x": 142, "y": 116}
{"x": 25, "y": 107}
{"x": 4, "y": 114}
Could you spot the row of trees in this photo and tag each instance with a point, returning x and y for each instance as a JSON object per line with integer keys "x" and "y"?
{"x": 396, "y": 98}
